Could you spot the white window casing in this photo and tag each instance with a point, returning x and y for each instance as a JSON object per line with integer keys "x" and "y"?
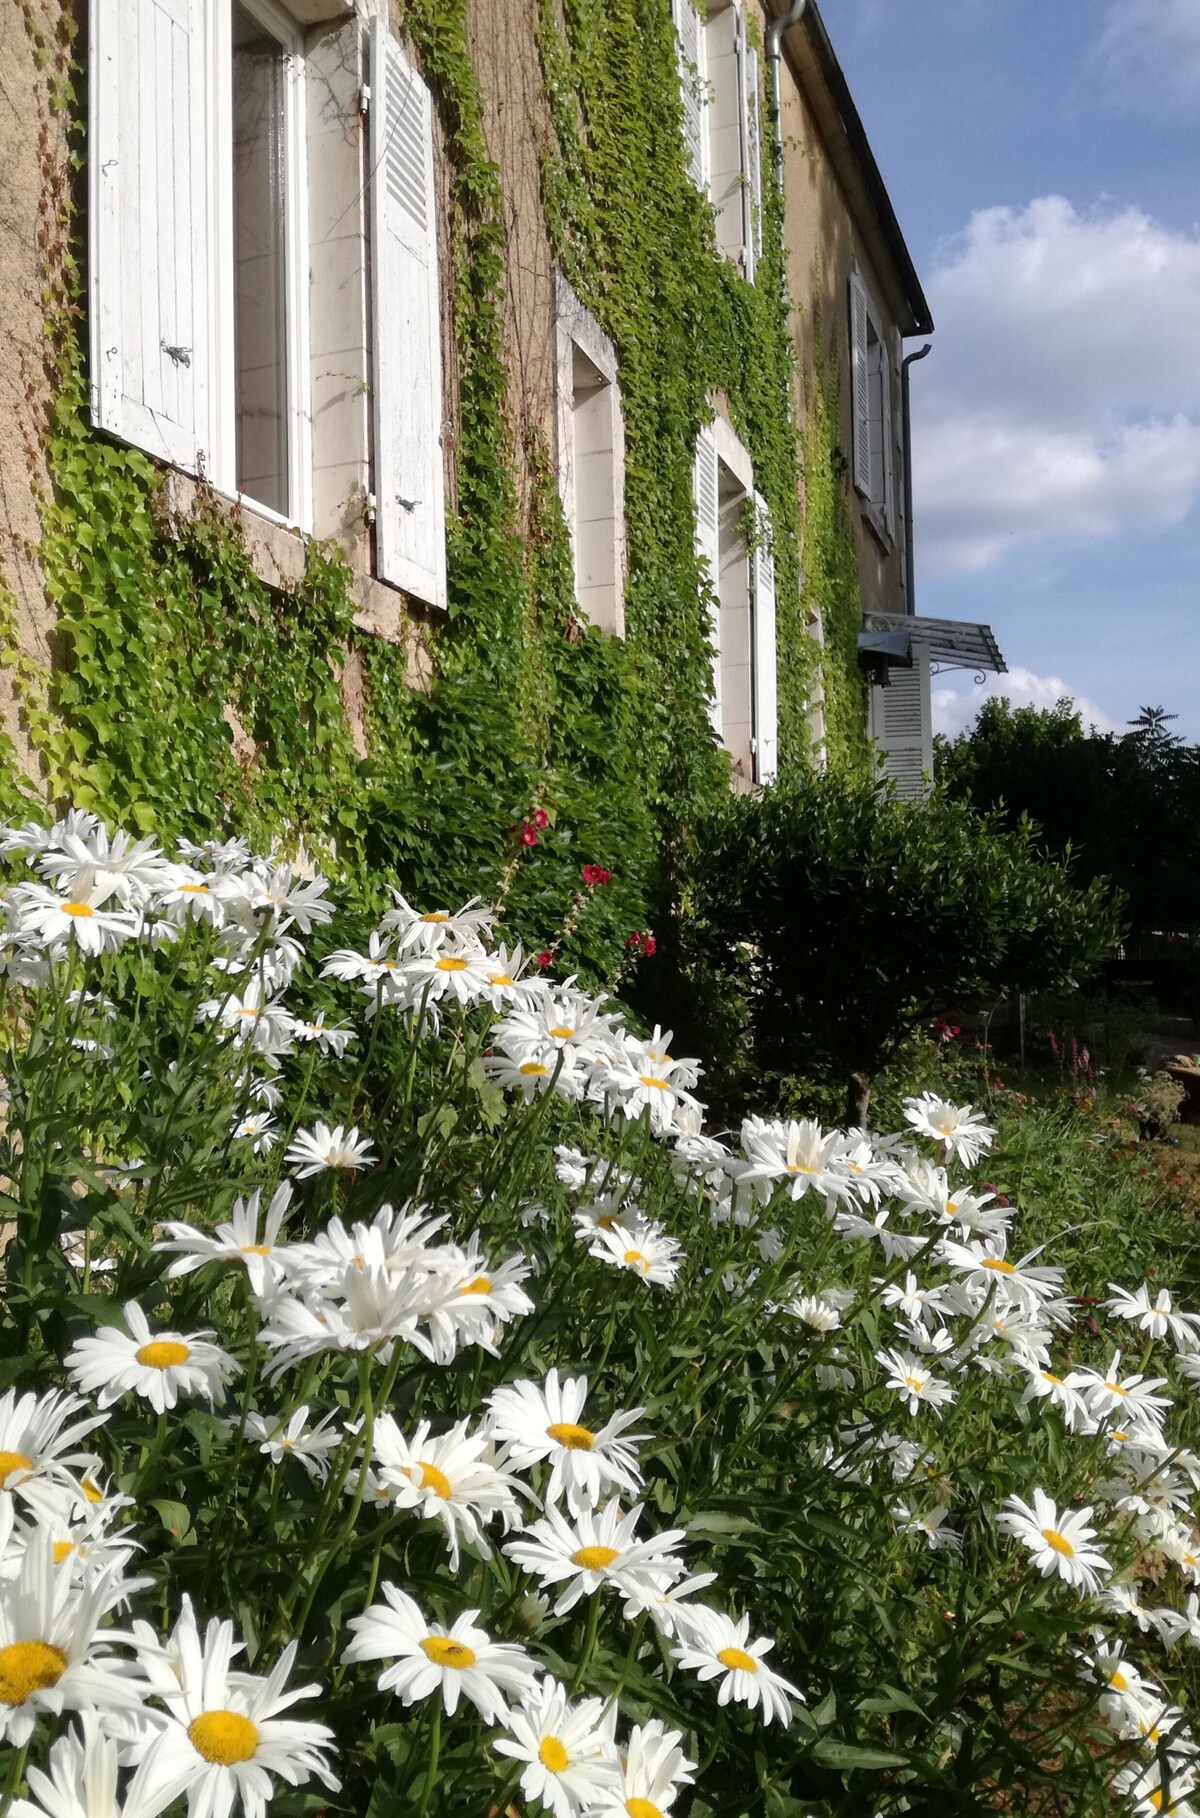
{"x": 885, "y": 413}
{"x": 706, "y": 495}
{"x": 860, "y": 387}
{"x": 410, "y": 525}
{"x": 693, "y": 76}
{"x": 591, "y": 460}
{"x": 748, "y": 70}
{"x": 766, "y": 684}
{"x": 901, "y": 725}
{"x": 150, "y": 156}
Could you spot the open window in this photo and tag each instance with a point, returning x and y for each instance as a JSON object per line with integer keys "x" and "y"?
{"x": 719, "y": 89}
{"x": 591, "y": 461}
{"x": 733, "y": 539}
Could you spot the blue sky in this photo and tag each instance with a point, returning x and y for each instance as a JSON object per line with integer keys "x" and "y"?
{"x": 1043, "y": 157}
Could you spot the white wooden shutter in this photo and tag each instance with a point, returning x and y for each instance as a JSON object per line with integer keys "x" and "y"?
{"x": 885, "y": 388}
{"x": 766, "y": 685}
{"x": 901, "y": 725}
{"x": 150, "y": 236}
{"x": 706, "y": 494}
{"x": 410, "y": 523}
{"x": 751, "y": 151}
{"x": 689, "y": 47}
{"x": 860, "y": 385}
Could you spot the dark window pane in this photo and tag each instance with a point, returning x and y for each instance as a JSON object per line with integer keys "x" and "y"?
{"x": 259, "y": 258}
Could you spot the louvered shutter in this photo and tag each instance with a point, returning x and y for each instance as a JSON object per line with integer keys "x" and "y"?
{"x": 150, "y": 251}
{"x": 766, "y": 685}
{"x": 902, "y": 725}
{"x": 410, "y": 524}
{"x": 885, "y": 387}
{"x": 689, "y": 47}
{"x": 860, "y": 385}
{"x": 751, "y": 151}
{"x": 706, "y": 494}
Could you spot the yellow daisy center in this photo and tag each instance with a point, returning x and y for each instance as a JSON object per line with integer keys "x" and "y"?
{"x": 552, "y": 1754}
{"x": 643, "y": 1808}
{"x": 435, "y": 1480}
{"x": 566, "y": 1433}
{"x": 1059, "y": 1542}
{"x": 799, "y": 1168}
{"x": 450, "y": 963}
{"x": 256, "y": 1249}
{"x": 223, "y": 1737}
{"x": 561, "y": 1033}
{"x": 27, "y": 1667}
{"x": 1118, "y": 1681}
{"x": 91, "y": 1489}
{"x": 482, "y": 1284}
{"x": 648, "y": 1079}
{"x": 1049, "y": 1376}
{"x": 594, "y": 1559}
{"x": 633, "y": 1259}
{"x": 533, "y": 1069}
{"x": 1000, "y": 1265}
{"x": 447, "y": 1653}
{"x": 499, "y": 978}
{"x": 162, "y": 1354}
{"x": 1116, "y": 1388}
{"x": 11, "y": 1463}
{"x": 436, "y": 915}
{"x": 737, "y": 1660}
{"x": 78, "y": 909}
{"x": 62, "y": 1549}
{"x": 194, "y": 890}
{"x": 916, "y": 1383}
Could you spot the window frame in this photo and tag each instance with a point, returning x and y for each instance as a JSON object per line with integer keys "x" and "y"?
{"x": 578, "y": 332}
{"x": 297, "y": 339}
{"x": 872, "y": 407}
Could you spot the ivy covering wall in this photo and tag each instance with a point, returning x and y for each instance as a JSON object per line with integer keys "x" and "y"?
{"x": 168, "y": 644}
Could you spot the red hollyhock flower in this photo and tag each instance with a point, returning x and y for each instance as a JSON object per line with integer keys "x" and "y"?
{"x": 540, "y": 818}
{"x": 649, "y": 946}
{"x": 528, "y": 836}
{"x": 635, "y": 939}
{"x": 593, "y": 875}
{"x": 543, "y": 959}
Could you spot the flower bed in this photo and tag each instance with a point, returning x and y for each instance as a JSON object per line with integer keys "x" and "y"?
{"x": 411, "y": 1407}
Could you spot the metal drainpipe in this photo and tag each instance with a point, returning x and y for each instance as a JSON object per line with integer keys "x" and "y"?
{"x": 775, "y": 33}
{"x": 910, "y": 566}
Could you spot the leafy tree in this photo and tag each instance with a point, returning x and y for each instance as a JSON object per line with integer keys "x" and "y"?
{"x": 1123, "y": 806}
{"x": 845, "y": 914}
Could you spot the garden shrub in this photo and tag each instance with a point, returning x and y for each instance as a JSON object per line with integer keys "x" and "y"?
{"x": 847, "y": 915}
{"x": 379, "y": 1307}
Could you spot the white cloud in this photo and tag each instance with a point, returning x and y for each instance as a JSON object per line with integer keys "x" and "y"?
{"x": 1063, "y": 399}
{"x": 1150, "y": 52}
{"x": 955, "y": 709}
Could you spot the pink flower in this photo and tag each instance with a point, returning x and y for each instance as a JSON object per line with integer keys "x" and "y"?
{"x": 528, "y": 836}
{"x": 594, "y": 875}
{"x": 543, "y": 959}
{"x": 540, "y": 818}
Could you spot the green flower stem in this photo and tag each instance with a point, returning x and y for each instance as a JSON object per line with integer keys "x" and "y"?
{"x": 589, "y": 1643}
{"x": 12, "y": 1780}
{"x": 435, "y": 1747}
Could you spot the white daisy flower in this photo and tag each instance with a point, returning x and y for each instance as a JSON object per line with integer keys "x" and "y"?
{"x": 130, "y": 870}
{"x": 506, "y": 983}
{"x": 82, "y": 1781}
{"x": 1044, "y": 1384}
{"x": 430, "y": 930}
{"x": 568, "y": 1749}
{"x": 799, "y": 1155}
{"x": 543, "y": 1423}
{"x": 251, "y": 1017}
{"x": 464, "y": 975}
{"x": 930, "y": 1526}
{"x": 985, "y": 1266}
{"x": 258, "y": 1130}
{"x": 38, "y": 1452}
{"x": 331, "y": 1038}
{"x": 1059, "y": 1540}
{"x": 321, "y": 1148}
{"x": 646, "y": 1250}
{"x": 669, "y": 1607}
{"x": 895, "y": 1244}
{"x": 190, "y": 897}
{"x": 532, "y": 1076}
{"x": 457, "y": 1478}
{"x": 1157, "y": 1318}
{"x": 715, "y": 1646}
{"x": 239, "y": 1240}
{"x": 293, "y": 1438}
{"x": 159, "y": 1366}
{"x": 377, "y": 965}
{"x": 461, "y": 1661}
{"x": 599, "y": 1548}
{"x": 654, "y": 1770}
{"x": 51, "y": 1658}
{"x": 917, "y": 1385}
{"x": 1130, "y": 1397}
{"x": 224, "y": 1738}
{"x": 80, "y": 916}
{"x": 959, "y": 1128}
{"x": 1144, "y": 1785}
